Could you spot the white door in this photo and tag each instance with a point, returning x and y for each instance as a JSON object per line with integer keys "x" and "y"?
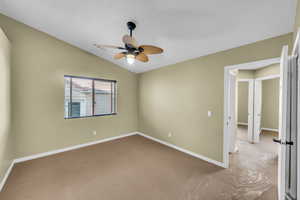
{"x": 291, "y": 136}
{"x": 284, "y": 110}
{"x": 257, "y": 110}
{"x": 288, "y": 170}
{"x": 250, "y": 110}
{"x": 232, "y": 124}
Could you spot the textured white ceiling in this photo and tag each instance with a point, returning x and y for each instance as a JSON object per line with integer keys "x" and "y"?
{"x": 185, "y": 29}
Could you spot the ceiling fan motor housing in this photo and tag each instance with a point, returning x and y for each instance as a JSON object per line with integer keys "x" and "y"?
{"x": 131, "y": 26}
{"x": 132, "y": 49}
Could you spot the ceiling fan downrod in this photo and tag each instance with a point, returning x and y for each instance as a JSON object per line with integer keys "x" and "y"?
{"x": 131, "y": 26}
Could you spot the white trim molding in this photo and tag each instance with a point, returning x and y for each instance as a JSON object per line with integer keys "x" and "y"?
{"x": 254, "y": 65}
{"x": 244, "y": 79}
{"x": 220, "y": 164}
{"x": 268, "y": 77}
{"x": 266, "y": 129}
{"x": 40, "y": 155}
{"x": 4, "y": 179}
{"x": 48, "y": 153}
{"x": 272, "y": 76}
{"x": 296, "y": 53}
{"x": 296, "y": 43}
{"x": 270, "y": 129}
{"x": 227, "y": 99}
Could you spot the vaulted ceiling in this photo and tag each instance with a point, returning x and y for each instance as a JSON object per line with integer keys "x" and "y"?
{"x": 185, "y": 29}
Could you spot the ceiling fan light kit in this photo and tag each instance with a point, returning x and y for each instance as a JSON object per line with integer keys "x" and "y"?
{"x": 130, "y": 58}
{"x": 132, "y": 51}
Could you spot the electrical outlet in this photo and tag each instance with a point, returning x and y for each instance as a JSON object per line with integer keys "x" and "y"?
{"x": 94, "y": 132}
{"x": 170, "y": 134}
{"x": 209, "y": 113}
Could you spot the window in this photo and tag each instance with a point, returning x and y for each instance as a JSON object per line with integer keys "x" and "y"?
{"x": 87, "y": 97}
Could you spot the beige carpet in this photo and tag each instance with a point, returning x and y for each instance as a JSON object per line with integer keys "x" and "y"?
{"x": 135, "y": 168}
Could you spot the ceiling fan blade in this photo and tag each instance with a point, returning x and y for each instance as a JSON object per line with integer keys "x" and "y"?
{"x": 142, "y": 57}
{"x": 127, "y": 39}
{"x": 149, "y": 49}
{"x": 108, "y": 46}
{"x": 119, "y": 55}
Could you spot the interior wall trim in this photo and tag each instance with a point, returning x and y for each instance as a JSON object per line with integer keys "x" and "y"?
{"x": 227, "y": 98}
{"x": 48, "y": 153}
{"x": 273, "y": 76}
{"x": 220, "y": 164}
{"x": 270, "y": 129}
{"x": 245, "y": 79}
{"x": 266, "y": 129}
{"x": 40, "y": 155}
{"x": 4, "y": 179}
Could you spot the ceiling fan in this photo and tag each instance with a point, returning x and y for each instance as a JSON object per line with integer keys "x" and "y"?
{"x": 131, "y": 50}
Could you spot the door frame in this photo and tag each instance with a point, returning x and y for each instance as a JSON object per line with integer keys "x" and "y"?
{"x": 254, "y": 138}
{"x": 250, "y": 113}
{"x": 232, "y": 120}
{"x": 296, "y": 51}
{"x": 227, "y": 111}
{"x": 257, "y": 108}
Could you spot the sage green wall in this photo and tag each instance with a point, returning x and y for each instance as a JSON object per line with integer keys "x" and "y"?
{"x": 243, "y": 102}
{"x": 270, "y": 96}
{"x": 6, "y": 137}
{"x": 176, "y": 98}
{"x": 39, "y": 63}
{"x": 270, "y": 104}
{"x": 269, "y": 116}
{"x": 245, "y": 74}
{"x": 273, "y": 69}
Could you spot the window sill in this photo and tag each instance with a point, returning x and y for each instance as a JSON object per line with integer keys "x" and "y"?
{"x": 91, "y": 116}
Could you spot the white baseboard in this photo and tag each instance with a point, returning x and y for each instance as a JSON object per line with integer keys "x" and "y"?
{"x": 4, "y": 179}
{"x": 40, "y": 155}
{"x": 270, "y": 129}
{"x": 266, "y": 129}
{"x": 220, "y": 164}
{"x": 48, "y": 153}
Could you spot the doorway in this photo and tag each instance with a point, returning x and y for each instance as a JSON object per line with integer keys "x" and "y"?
{"x": 289, "y": 110}
{"x": 251, "y": 148}
{"x": 258, "y": 102}
{"x": 250, "y": 75}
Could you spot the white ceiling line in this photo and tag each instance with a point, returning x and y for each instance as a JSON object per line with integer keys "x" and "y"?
{"x": 255, "y": 64}
{"x": 185, "y": 29}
